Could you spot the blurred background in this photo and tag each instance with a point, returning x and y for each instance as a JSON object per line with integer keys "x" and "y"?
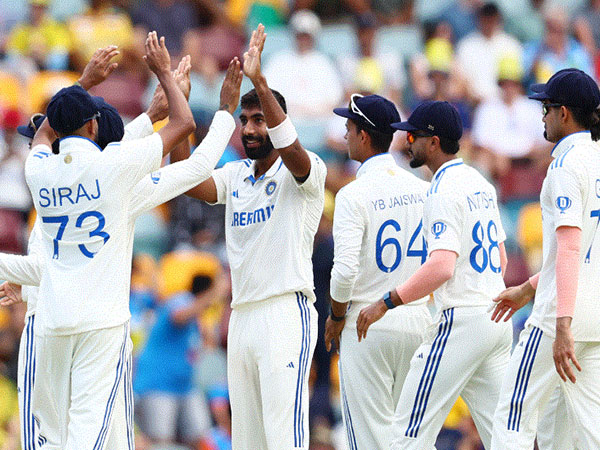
{"x": 480, "y": 56}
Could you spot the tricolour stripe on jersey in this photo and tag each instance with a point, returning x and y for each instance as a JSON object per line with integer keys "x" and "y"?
{"x": 302, "y": 369}
{"x": 516, "y": 403}
{"x": 28, "y": 422}
{"x": 346, "y": 412}
{"x": 435, "y": 184}
{"x": 429, "y": 373}
{"x": 99, "y": 445}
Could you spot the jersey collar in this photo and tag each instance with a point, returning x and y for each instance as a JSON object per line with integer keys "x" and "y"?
{"x": 268, "y": 174}
{"x": 374, "y": 162}
{"x": 71, "y": 143}
{"x": 447, "y": 165}
{"x": 569, "y": 140}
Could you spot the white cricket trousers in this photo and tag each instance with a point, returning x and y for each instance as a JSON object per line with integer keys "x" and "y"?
{"x": 270, "y": 345}
{"x": 529, "y": 384}
{"x": 82, "y": 397}
{"x": 465, "y": 354}
{"x": 25, "y": 383}
{"x": 372, "y": 372}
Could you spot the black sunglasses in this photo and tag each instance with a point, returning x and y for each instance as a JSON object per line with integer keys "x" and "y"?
{"x": 546, "y": 107}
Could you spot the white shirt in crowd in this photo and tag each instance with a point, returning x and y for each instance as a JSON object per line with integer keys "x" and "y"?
{"x": 377, "y": 230}
{"x": 461, "y": 214}
{"x": 479, "y": 57}
{"x": 571, "y": 197}
{"x": 270, "y": 224}
{"x": 508, "y": 130}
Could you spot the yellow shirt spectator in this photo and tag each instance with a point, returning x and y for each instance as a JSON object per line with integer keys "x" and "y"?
{"x": 272, "y": 10}
{"x": 9, "y": 407}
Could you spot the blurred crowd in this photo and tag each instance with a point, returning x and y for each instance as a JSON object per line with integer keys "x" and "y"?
{"x": 482, "y": 57}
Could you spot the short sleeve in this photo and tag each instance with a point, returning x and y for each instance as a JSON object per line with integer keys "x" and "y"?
{"x": 314, "y": 185}
{"x": 443, "y": 221}
{"x": 565, "y": 187}
{"x": 137, "y": 157}
{"x": 221, "y": 179}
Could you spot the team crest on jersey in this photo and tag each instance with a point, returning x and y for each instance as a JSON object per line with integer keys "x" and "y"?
{"x": 438, "y": 229}
{"x": 270, "y": 188}
{"x": 563, "y": 203}
{"x": 155, "y": 177}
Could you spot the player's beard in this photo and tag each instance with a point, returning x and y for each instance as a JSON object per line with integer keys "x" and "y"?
{"x": 416, "y": 160}
{"x": 262, "y": 151}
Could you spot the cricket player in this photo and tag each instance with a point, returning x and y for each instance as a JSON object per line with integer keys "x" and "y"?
{"x": 379, "y": 241}
{"x": 82, "y": 197}
{"x": 563, "y": 331}
{"x": 159, "y": 187}
{"x": 464, "y": 353}
{"x": 274, "y": 201}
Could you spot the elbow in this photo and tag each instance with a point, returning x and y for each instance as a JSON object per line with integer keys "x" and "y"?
{"x": 189, "y": 125}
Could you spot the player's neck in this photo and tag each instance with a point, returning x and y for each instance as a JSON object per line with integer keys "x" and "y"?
{"x": 263, "y": 164}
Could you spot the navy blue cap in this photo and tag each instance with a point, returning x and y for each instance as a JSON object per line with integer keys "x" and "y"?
{"x": 371, "y": 111}
{"x": 569, "y": 87}
{"x": 27, "y": 130}
{"x": 110, "y": 124}
{"x": 436, "y": 118}
{"x": 70, "y": 109}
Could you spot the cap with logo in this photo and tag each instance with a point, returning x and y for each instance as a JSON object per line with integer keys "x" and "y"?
{"x": 569, "y": 87}
{"x": 70, "y": 109}
{"x": 435, "y": 118}
{"x": 372, "y": 112}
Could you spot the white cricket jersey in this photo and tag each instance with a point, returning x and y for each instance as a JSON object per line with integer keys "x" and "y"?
{"x": 461, "y": 214}
{"x": 571, "y": 197}
{"x": 270, "y": 224}
{"x": 377, "y": 230}
{"x": 35, "y": 245}
{"x": 82, "y": 198}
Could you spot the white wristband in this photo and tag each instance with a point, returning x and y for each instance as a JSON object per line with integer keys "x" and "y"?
{"x": 284, "y": 134}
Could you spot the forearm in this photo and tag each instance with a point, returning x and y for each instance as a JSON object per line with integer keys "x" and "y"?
{"x": 438, "y": 269}
{"x": 181, "y": 121}
{"x": 18, "y": 269}
{"x": 181, "y": 152}
{"x": 567, "y": 270}
{"x": 338, "y": 309}
{"x": 533, "y": 281}
{"x": 272, "y": 110}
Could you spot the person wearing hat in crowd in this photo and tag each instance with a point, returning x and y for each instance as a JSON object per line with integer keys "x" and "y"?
{"x": 563, "y": 330}
{"x": 82, "y": 198}
{"x": 305, "y": 76}
{"x": 379, "y": 241}
{"x": 465, "y": 353}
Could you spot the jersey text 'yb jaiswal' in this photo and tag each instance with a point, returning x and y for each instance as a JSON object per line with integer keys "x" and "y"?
{"x": 394, "y": 202}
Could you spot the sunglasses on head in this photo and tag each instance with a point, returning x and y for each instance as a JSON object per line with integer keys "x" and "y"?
{"x": 356, "y": 110}
{"x": 411, "y": 136}
{"x": 546, "y": 107}
{"x": 32, "y": 121}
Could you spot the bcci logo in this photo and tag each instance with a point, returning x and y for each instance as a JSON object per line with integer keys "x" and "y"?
{"x": 270, "y": 188}
{"x": 563, "y": 203}
{"x": 438, "y": 228}
{"x": 155, "y": 177}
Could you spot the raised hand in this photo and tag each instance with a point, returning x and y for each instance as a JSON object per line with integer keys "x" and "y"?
{"x": 252, "y": 57}
{"x": 159, "y": 107}
{"x": 182, "y": 75}
{"x": 157, "y": 56}
{"x": 99, "y": 67}
{"x": 10, "y": 294}
{"x": 230, "y": 90}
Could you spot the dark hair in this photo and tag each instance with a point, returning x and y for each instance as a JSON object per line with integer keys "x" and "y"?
{"x": 449, "y": 146}
{"x": 379, "y": 141}
{"x": 489, "y": 9}
{"x": 250, "y": 100}
{"x": 590, "y": 120}
{"x": 200, "y": 283}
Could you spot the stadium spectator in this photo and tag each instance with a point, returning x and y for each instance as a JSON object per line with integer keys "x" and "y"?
{"x": 557, "y": 50}
{"x": 304, "y": 76}
{"x": 169, "y": 18}
{"x": 480, "y": 52}
{"x": 374, "y": 71}
{"x": 247, "y": 14}
{"x": 101, "y": 25}
{"x": 461, "y": 15}
{"x": 41, "y": 38}
{"x": 164, "y": 379}
{"x": 511, "y": 114}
